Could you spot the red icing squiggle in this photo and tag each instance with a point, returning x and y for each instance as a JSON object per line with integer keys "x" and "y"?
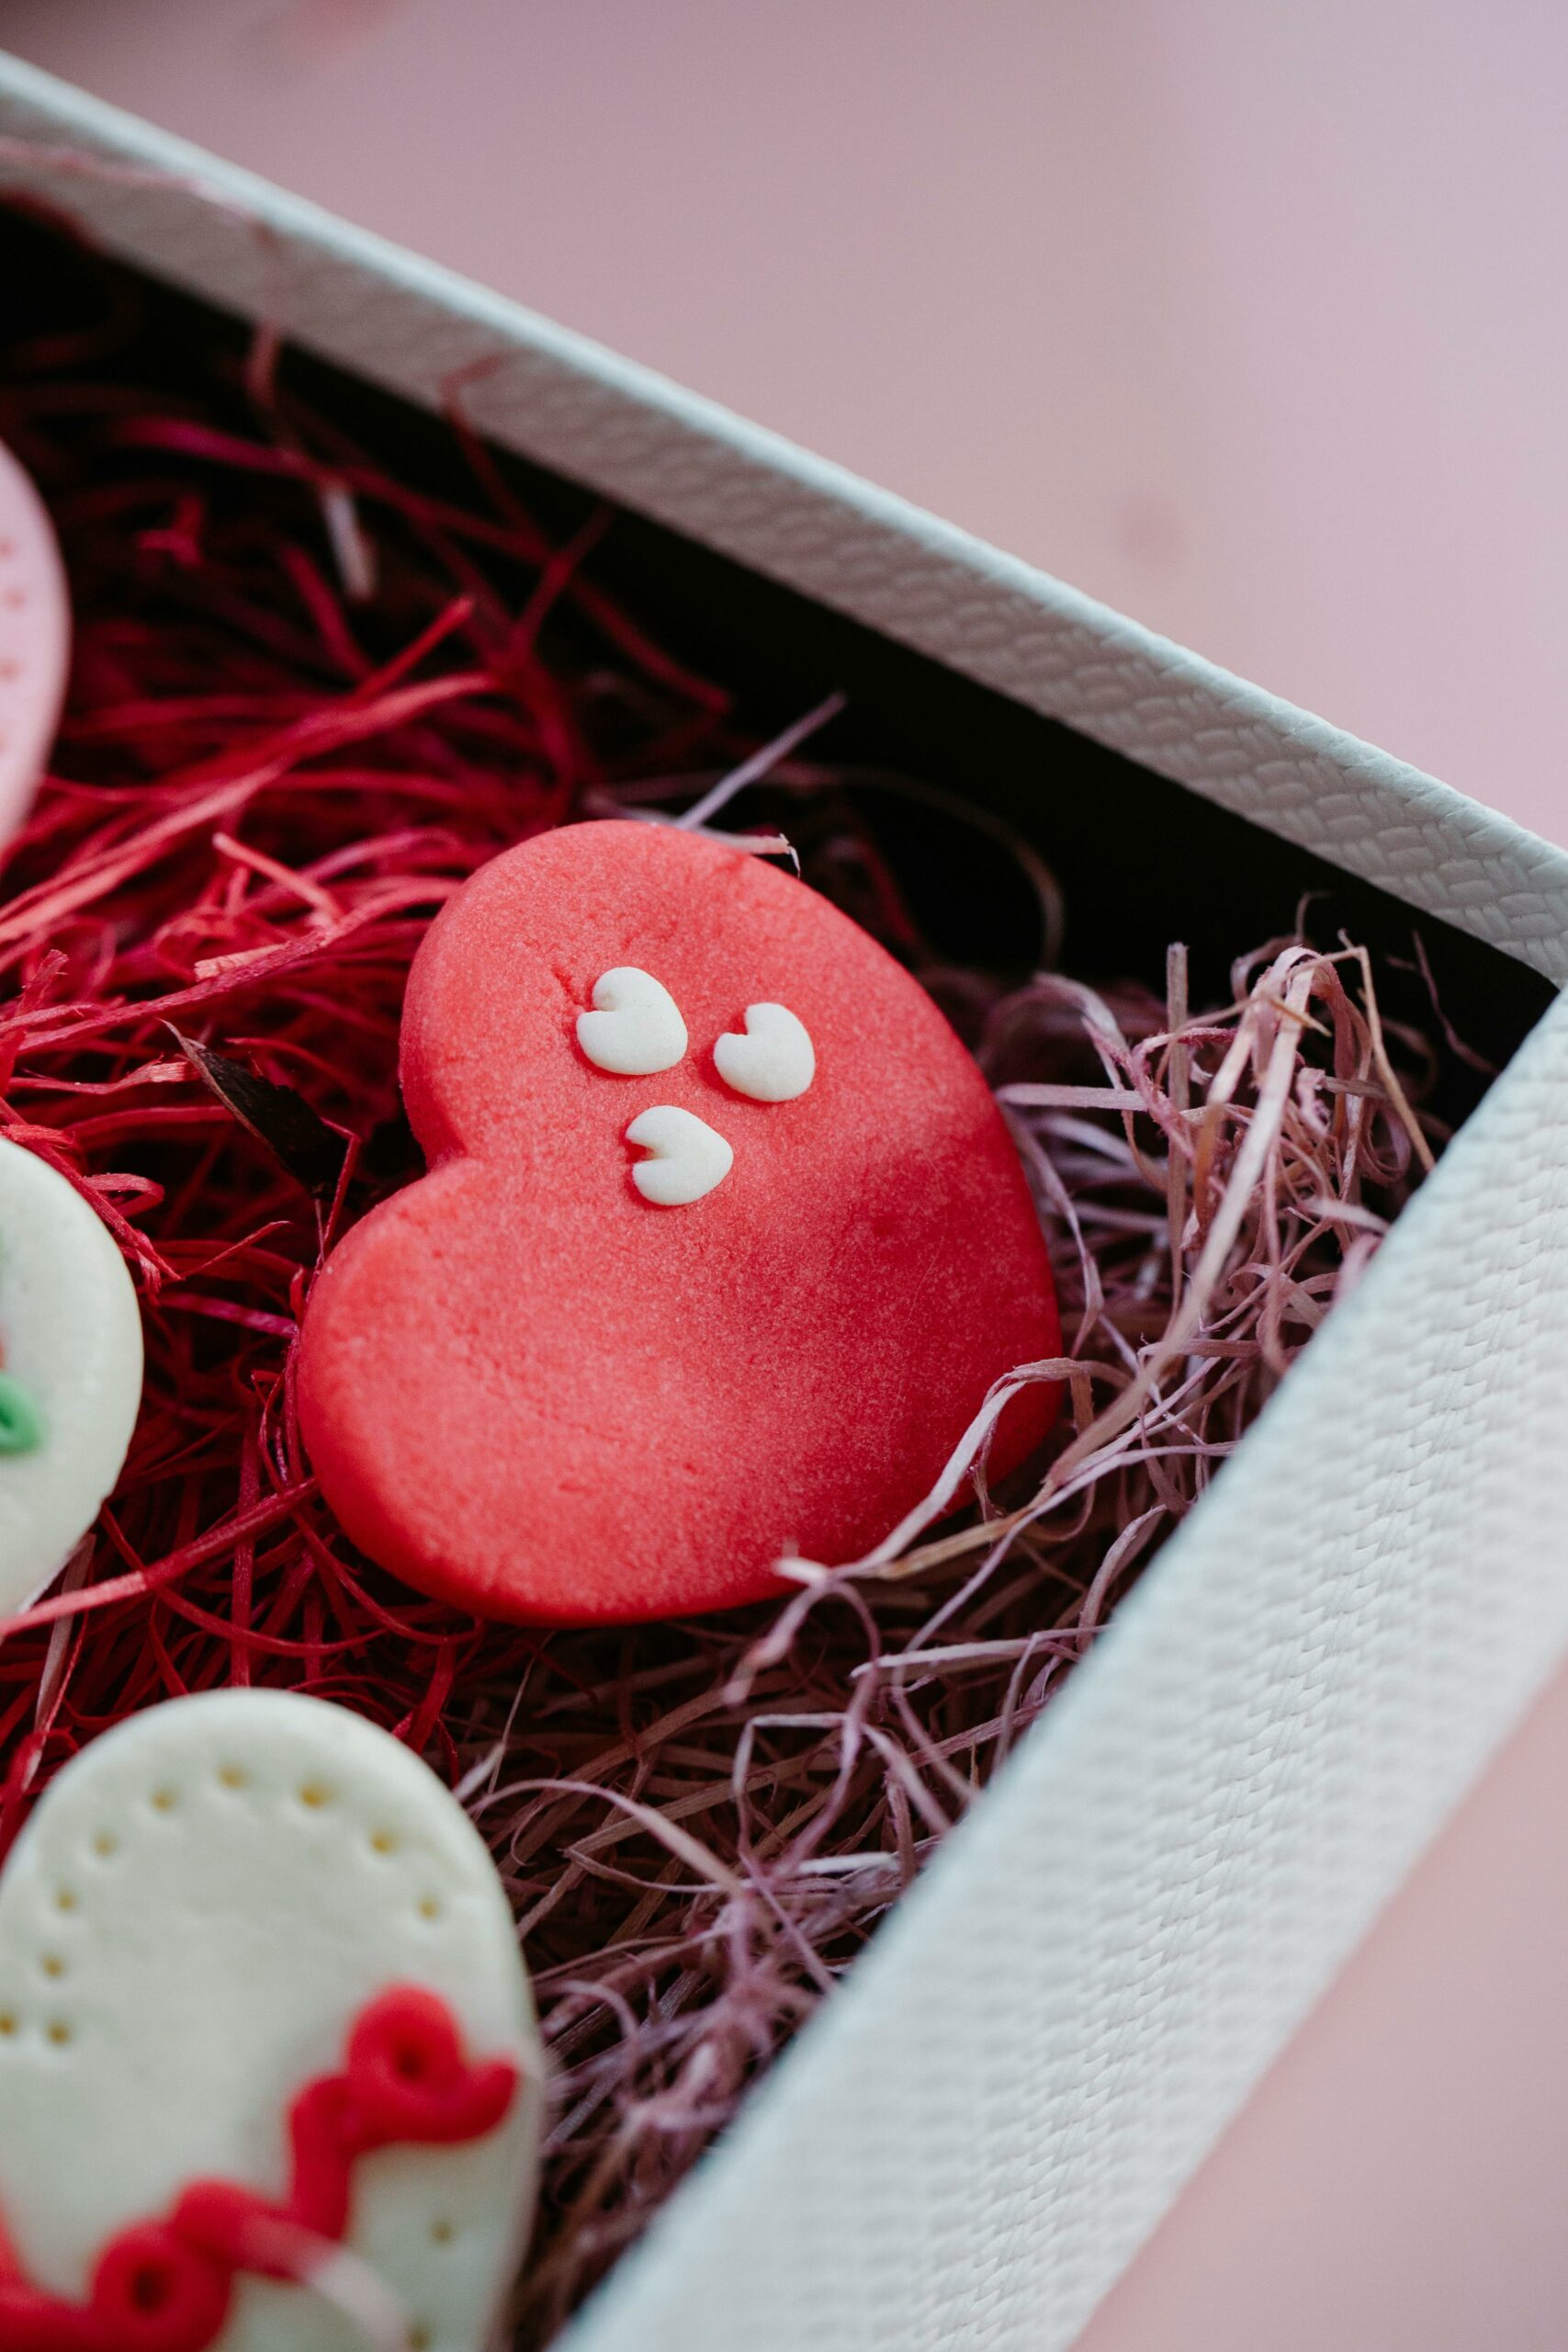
{"x": 166, "y": 2285}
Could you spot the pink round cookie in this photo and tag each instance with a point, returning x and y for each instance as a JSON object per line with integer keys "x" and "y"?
{"x": 723, "y": 1243}
{"x": 35, "y": 642}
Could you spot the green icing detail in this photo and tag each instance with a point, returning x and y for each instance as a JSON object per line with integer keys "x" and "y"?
{"x": 21, "y": 1423}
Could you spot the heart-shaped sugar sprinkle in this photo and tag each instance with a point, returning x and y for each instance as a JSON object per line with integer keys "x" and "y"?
{"x": 686, "y": 1158}
{"x": 773, "y": 1060}
{"x": 635, "y": 1028}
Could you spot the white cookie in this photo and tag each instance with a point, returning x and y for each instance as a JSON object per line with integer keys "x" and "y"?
{"x": 35, "y": 641}
{"x": 201, "y": 1906}
{"x": 71, "y": 1352}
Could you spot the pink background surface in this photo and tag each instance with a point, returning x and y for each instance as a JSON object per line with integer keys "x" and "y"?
{"x": 1248, "y": 318}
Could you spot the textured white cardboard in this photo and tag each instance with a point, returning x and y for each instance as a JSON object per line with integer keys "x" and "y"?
{"x": 968, "y": 2145}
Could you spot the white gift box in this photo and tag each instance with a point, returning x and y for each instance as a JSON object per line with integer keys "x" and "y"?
{"x": 970, "y": 2141}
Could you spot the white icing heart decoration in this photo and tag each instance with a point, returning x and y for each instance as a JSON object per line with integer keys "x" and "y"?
{"x": 35, "y": 641}
{"x": 202, "y": 1905}
{"x": 686, "y": 1157}
{"x": 637, "y": 1028}
{"x": 70, "y": 1371}
{"x": 773, "y": 1060}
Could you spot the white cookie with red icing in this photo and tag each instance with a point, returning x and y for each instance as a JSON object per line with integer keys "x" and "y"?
{"x": 35, "y": 641}
{"x": 70, "y": 1371}
{"x": 211, "y": 1909}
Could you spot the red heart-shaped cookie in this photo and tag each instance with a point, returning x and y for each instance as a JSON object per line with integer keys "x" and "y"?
{"x": 559, "y": 1381}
